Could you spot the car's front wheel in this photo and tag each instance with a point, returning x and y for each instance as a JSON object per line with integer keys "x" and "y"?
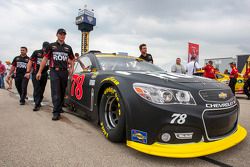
{"x": 112, "y": 115}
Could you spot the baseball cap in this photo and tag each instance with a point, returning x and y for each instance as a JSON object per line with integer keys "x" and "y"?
{"x": 61, "y": 30}
{"x": 45, "y": 44}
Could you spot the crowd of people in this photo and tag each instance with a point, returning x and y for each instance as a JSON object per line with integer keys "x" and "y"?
{"x": 59, "y": 58}
{"x": 210, "y": 72}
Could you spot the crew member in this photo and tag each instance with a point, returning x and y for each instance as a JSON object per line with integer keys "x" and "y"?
{"x": 59, "y": 54}
{"x": 19, "y": 64}
{"x": 38, "y": 85}
{"x": 247, "y": 81}
{"x": 209, "y": 71}
{"x": 144, "y": 55}
{"x": 233, "y": 77}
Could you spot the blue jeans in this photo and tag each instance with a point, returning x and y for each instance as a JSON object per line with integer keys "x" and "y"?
{"x": 2, "y": 81}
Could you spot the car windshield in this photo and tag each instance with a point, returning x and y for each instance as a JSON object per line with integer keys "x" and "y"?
{"x": 125, "y": 63}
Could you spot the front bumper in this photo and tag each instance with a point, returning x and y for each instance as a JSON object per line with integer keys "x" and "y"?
{"x": 192, "y": 149}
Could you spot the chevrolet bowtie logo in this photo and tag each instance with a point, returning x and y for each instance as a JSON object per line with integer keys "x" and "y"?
{"x": 222, "y": 95}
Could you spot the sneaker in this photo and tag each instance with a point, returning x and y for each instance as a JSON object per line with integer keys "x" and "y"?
{"x": 248, "y": 98}
{"x": 55, "y": 117}
{"x": 36, "y": 108}
{"x": 22, "y": 102}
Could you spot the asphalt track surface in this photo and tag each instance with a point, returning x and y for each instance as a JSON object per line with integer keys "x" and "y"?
{"x": 30, "y": 138}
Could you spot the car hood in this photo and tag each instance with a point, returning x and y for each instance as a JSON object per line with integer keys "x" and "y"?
{"x": 173, "y": 80}
{"x": 178, "y": 78}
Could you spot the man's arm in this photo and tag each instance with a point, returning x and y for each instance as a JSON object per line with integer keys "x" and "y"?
{"x": 28, "y": 70}
{"x": 71, "y": 61}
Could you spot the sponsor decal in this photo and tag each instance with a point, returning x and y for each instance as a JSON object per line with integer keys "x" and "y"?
{"x": 85, "y": 42}
{"x": 139, "y": 136}
{"x": 104, "y": 130}
{"x": 66, "y": 49}
{"x": 222, "y": 95}
{"x": 21, "y": 65}
{"x": 60, "y": 56}
{"x": 111, "y": 79}
{"x": 220, "y": 105}
{"x": 76, "y": 87}
{"x": 54, "y": 47}
{"x": 79, "y": 20}
{"x": 92, "y": 82}
{"x": 184, "y": 135}
{"x": 94, "y": 75}
{"x": 90, "y": 19}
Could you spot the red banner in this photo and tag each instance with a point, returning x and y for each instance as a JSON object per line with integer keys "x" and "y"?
{"x": 193, "y": 51}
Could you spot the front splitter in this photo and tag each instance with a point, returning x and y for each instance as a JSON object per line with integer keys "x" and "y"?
{"x": 190, "y": 150}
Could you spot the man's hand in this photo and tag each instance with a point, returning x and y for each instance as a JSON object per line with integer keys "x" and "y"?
{"x": 38, "y": 76}
{"x": 8, "y": 78}
{"x": 27, "y": 75}
{"x": 70, "y": 71}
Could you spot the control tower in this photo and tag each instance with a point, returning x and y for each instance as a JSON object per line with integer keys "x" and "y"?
{"x": 85, "y": 22}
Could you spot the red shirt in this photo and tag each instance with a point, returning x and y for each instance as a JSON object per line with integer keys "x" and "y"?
{"x": 209, "y": 71}
{"x": 234, "y": 73}
{"x": 2, "y": 69}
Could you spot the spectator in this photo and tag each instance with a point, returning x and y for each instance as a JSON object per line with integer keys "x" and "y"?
{"x": 209, "y": 71}
{"x": 2, "y": 73}
{"x": 178, "y": 67}
{"x": 233, "y": 77}
{"x": 247, "y": 81}
{"x": 9, "y": 80}
{"x": 144, "y": 55}
{"x": 226, "y": 72}
{"x": 192, "y": 66}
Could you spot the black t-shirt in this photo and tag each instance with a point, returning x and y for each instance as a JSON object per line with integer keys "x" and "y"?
{"x": 21, "y": 64}
{"x": 37, "y": 58}
{"x": 147, "y": 58}
{"x": 59, "y": 54}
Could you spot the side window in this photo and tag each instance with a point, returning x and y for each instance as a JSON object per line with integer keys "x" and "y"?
{"x": 83, "y": 64}
{"x": 86, "y": 61}
{"x": 78, "y": 68}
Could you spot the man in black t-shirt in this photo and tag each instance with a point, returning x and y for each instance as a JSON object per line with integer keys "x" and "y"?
{"x": 144, "y": 55}
{"x": 38, "y": 85}
{"x": 19, "y": 64}
{"x": 59, "y": 54}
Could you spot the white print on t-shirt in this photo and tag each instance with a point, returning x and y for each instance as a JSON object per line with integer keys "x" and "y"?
{"x": 60, "y": 56}
{"x": 21, "y": 65}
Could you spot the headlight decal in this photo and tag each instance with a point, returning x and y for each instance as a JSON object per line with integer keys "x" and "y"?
{"x": 163, "y": 95}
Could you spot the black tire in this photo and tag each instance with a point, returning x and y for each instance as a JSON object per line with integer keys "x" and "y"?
{"x": 112, "y": 115}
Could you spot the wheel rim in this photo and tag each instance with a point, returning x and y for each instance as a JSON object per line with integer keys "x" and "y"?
{"x": 111, "y": 112}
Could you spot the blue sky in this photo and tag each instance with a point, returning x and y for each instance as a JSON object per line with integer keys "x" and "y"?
{"x": 222, "y": 27}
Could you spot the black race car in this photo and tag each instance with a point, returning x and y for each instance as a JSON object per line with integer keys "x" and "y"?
{"x": 155, "y": 112}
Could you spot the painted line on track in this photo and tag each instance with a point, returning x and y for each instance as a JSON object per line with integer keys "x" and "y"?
{"x": 215, "y": 162}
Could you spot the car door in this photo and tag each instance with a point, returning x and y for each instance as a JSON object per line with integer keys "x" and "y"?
{"x": 80, "y": 85}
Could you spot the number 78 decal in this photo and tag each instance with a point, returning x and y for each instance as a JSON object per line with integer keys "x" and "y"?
{"x": 178, "y": 118}
{"x": 76, "y": 87}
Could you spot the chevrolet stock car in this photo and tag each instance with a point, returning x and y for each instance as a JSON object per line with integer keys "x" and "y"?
{"x": 154, "y": 112}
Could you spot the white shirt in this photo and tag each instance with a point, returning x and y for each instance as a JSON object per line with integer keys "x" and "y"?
{"x": 192, "y": 67}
